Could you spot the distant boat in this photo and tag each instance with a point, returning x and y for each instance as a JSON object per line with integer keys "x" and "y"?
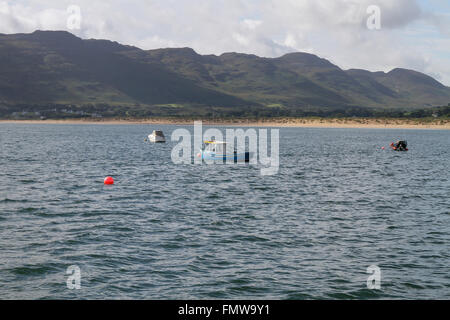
{"x": 157, "y": 136}
{"x": 217, "y": 150}
{"x": 400, "y": 146}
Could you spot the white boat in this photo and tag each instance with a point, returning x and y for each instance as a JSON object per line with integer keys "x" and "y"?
{"x": 157, "y": 136}
{"x": 217, "y": 150}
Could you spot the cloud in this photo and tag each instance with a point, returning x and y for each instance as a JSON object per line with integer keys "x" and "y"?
{"x": 252, "y": 24}
{"x": 333, "y": 29}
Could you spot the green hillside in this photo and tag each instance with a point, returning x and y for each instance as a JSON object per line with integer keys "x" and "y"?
{"x": 301, "y": 80}
{"x": 57, "y": 68}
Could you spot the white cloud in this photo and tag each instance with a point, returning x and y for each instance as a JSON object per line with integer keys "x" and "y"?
{"x": 290, "y": 41}
{"x": 4, "y": 8}
{"x": 241, "y": 39}
{"x": 333, "y": 29}
{"x": 252, "y": 24}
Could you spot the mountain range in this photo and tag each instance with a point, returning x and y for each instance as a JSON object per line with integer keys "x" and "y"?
{"x": 47, "y": 67}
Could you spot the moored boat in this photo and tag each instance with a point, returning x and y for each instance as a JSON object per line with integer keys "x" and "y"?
{"x": 217, "y": 151}
{"x": 157, "y": 136}
{"x": 399, "y": 146}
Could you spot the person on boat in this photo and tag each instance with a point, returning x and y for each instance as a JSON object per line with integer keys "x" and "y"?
{"x": 401, "y": 146}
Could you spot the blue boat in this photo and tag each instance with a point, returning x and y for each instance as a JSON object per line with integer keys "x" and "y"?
{"x": 216, "y": 151}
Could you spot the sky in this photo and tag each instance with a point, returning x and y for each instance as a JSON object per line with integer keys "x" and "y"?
{"x": 412, "y": 34}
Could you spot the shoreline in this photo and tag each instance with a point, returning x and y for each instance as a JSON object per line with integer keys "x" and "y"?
{"x": 276, "y": 122}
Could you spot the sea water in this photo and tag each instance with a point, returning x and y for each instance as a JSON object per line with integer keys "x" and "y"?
{"x": 338, "y": 205}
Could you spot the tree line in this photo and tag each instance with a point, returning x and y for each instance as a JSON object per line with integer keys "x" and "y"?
{"x": 101, "y": 110}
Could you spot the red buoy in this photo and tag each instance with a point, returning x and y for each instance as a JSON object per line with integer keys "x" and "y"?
{"x": 109, "y": 180}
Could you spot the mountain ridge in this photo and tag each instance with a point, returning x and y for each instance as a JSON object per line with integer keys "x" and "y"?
{"x": 58, "y": 67}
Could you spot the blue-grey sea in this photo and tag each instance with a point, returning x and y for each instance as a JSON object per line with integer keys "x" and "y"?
{"x": 338, "y": 205}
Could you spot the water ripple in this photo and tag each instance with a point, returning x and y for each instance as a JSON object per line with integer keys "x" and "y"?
{"x": 222, "y": 232}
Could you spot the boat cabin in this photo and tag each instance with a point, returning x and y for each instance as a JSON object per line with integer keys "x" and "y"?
{"x": 158, "y": 133}
{"x": 215, "y": 147}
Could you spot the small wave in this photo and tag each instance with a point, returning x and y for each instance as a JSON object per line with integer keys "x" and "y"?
{"x": 32, "y": 270}
{"x": 28, "y": 210}
{"x": 7, "y": 200}
{"x": 27, "y": 181}
{"x": 250, "y": 238}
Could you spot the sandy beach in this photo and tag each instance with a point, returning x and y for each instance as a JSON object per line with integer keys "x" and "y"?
{"x": 274, "y": 122}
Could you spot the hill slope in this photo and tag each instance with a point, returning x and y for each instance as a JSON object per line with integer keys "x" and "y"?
{"x": 57, "y": 67}
{"x": 302, "y": 80}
